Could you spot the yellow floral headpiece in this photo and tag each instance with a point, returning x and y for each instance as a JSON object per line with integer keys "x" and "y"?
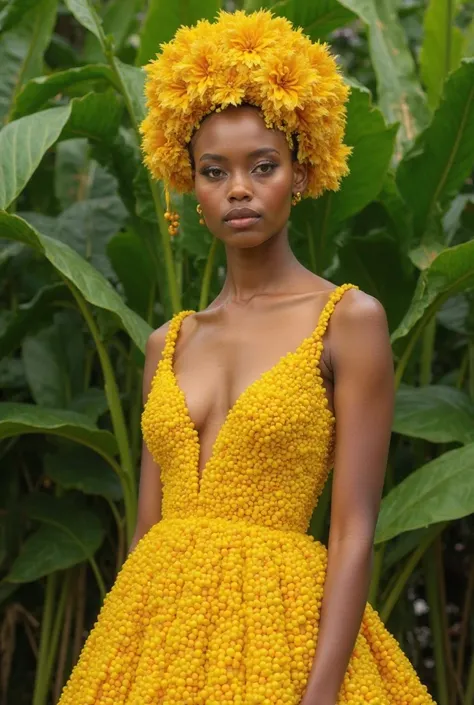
{"x": 253, "y": 58}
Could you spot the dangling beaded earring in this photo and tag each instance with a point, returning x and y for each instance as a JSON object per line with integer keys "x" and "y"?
{"x": 171, "y": 216}
{"x": 296, "y": 199}
{"x": 199, "y": 210}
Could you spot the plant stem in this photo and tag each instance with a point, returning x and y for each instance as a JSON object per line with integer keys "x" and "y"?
{"x": 471, "y": 370}
{"x": 56, "y": 631}
{"x": 468, "y": 600}
{"x": 449, "y": 28}
{"x": 379, "y": 553}
{"x": 162, "y": 224}
{"x": 167, "y": 252}
{"x": 80, "y": 611}
{"x": 407, "y": 570}
{"x": 434, "y": 602}
{"x": 469, "y": 694}
{"x": 127, "y": 475}
{"x": 427, "y": 350}
{"x": 45, "y": 637}
{"x": 206, "y": 280}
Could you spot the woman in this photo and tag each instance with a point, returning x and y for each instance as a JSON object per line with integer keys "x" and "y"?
{"x": 221, "y": 598}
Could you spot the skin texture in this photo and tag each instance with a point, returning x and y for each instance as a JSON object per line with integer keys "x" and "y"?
{"x": 268, "y": 304}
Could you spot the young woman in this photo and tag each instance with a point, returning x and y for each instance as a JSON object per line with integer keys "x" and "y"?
{"x": 225, "y": 598}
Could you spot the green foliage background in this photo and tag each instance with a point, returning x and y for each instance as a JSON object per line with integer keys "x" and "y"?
{"x": 87, "y": 270}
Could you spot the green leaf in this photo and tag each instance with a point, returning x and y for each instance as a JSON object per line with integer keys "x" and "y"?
{"x": 435, "y": 168}
{"x": 96, "y": 116}
{"x": 69, "y": 535}
{"x": 22, "y": 49}
{"x": 163, "y": 19}
{"x": 372, "y": 143}
{"x": 442, "y": 47}
{"x": 32, "y": 316}
{"x": 436, "y": 413}
{"x": 401, "y": 224}
{"x": 87, "y": 226}
{"x": 318, "y": 19}
{"x": 13, "y": 11}
{"x": 86, "y": 15}
{"x": 17, "y": 419}
{"x": 81, "y": 469}
{"x": 133, "y": 266}
{"x": 400, "y": 95}
{"x": 117, "y": 21}
{"x": 380, "y": 268}
{"x": 133, "y": 89}
{"x": 91, "y": 402}
{"x": 54, "y": 360}
{"x": 38, "y": 91}
{"x": 441, "y": 490}
{"x": 92, "y": 285}
{"x": 22, "y": 146}
{"x": 451, "y": 272}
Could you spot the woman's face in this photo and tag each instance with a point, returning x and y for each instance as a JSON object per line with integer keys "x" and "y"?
{"x": 244, "y": 176}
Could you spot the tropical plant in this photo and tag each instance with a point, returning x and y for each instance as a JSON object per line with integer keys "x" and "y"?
{"x": 88, "y": 270}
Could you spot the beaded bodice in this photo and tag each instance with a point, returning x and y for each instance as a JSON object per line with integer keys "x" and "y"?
{"x": 273, "y": 453}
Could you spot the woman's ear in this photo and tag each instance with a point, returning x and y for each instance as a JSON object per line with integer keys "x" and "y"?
{"x": 300, "y": 177}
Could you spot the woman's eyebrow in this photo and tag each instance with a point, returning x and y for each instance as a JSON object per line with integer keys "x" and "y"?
{"x": 256, "y": 153}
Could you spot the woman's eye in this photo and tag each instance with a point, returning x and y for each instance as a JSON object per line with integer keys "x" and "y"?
{"x": 210, "y": 171}
{"x": 267, "y": 167}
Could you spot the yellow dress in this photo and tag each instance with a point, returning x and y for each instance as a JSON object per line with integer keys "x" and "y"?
{"x": 220, "y": 601}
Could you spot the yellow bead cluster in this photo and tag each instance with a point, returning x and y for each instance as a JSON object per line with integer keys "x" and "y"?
{"x": 220, "y": 601}
{"x": 173, "y": 219}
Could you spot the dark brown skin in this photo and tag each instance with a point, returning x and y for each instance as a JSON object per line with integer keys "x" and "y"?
{"x": 268, "y": 304}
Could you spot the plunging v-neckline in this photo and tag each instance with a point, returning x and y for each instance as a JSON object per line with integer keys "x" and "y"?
{"x": 200, "y": 475}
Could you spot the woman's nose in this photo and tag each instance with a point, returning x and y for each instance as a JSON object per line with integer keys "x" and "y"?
{"x": 239, "y": 189}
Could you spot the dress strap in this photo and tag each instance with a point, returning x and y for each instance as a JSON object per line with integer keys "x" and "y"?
{"x": 172, "y": 334}
{"x": 327, "y": 312}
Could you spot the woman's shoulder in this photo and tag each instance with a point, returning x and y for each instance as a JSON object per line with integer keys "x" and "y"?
{"x": 157, "y": 339}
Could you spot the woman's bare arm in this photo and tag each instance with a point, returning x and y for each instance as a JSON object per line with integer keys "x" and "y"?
{"x": 363, "y": 400}
{"x": 150, "y": 490}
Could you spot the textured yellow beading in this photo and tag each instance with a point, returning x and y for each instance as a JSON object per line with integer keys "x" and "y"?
{"x": 220, "y": 601}
{"x": 246, "y": 58}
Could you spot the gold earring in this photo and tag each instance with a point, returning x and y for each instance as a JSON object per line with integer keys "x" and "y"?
{"x": 199, "y": 210}
{"x": 296, "y": 199}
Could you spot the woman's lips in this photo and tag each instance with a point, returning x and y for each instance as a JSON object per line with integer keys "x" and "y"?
{"x": 242, "y": 223}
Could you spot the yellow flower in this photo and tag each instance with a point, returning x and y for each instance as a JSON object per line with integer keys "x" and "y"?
{"x": 201, "y": 67}
{"x": 246, "y": 58}
{"x": 248, "y": 36}
{"x": 284, "y": 81}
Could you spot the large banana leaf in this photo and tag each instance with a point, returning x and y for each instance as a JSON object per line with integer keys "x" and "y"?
{"x": 23, "y": 46}
{"x": 69, "y": 535}
{"x": 31, "y": 316}
{"x": 442, "y": 46}
{"x": 450, "y": 272}
{"x": 22, "y": 146}
{"x": 441, "y": 490}
{"x": 372, "y": 142}
{"x": 318, "y": 19}
{"x": 70, "y": 265}
{"x": 38, "y": 91}
{"x": 80, "y": 469}
{"x": 400, "y": 94}
{"x": 437, "y": 413}
{"x": 17, "y": 419}
{"x": 24, "y": 142}
{"x": 433, "y": 171}
{"x": 163, "y": 19}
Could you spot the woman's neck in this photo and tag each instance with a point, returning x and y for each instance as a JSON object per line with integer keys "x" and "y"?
{"x": 253, "y": 271}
